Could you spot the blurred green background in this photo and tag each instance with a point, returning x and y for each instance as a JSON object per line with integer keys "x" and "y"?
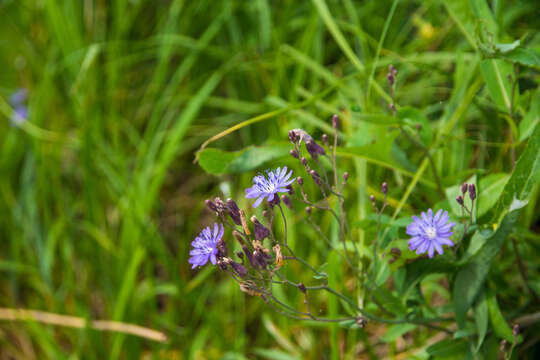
{"x": 99, "y": 193}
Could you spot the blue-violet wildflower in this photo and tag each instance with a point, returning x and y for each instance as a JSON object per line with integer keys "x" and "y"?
{"x": 277, "y": 181}
{"x": 430, "y": 232}
{"x": 205, "y": 246}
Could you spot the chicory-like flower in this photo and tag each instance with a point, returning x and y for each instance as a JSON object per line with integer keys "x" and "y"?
{"x": 277, "y": 182}
{"x": 430, "y": 232}
{"x": 205, "y": 246}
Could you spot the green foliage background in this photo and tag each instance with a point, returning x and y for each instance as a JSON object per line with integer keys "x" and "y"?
{"x": 100, "y": 196}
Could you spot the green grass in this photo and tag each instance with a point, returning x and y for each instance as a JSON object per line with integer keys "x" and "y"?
{"x": 100, "y": 197}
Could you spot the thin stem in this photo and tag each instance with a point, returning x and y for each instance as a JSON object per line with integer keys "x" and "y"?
{"x": 522, "y": 270}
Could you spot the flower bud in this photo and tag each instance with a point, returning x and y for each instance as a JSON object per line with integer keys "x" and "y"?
{"x": 308, "y": 210}
{"x": 290, "y": 189}
{"x": 515, "y": 330}
{"x": 286, "y": 201}
{"x": 390, "y": 78}
{"x": 372, "y": 198}
{"x": 345, "y": 176}
{"x": 237, "y": 268}
{"x": 259, "y": 230}
{"x": 210, "y": 205}
{"x": 304, "y": 161}
{"x": 293, "y": 137}
{"x": 294, "y": 154}
{"x": 302, "y": 287}
{"x": 335, "y": 121}
{"x": 316, "y": 177}
{"x": 472, "y": 192}
{"x": 384, "y": 188}
{"x": 233, "y": 211}
{"x": 464, "y": 188}
{"x": 314, "y": 149}
{"x": 459, "y": 200}
{"x": 392, "y": 107}
{"x": 324, "y": 139}
{"x": 222, "y": 248}
{"x": 300, "y": 180}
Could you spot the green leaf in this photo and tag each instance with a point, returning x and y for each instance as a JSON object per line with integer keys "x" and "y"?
{"x": 216, "y": 161}
{"x": 377, "y": 119}
{"x": 500, "y": 326}
{"x": 523, "y": 56}
{"x": 396, "y": 331}
{"x": 524, "y": 179}
{"x": 489, "y": 190}
{"x": 495, "y": 73}
{"x": 448, "y": 348}
{"x": 529, "y": 122}
{"x": 412, "y": 117}
{"x": 504, "y": 48}
{"x": 481, "y": 318}
{"x": 470, "y": 278}
{"x": 389, "y": 301}
{"x": 482, "y": 12}
{"x": 477, "y": 241}
{"x": 420, "y": 268}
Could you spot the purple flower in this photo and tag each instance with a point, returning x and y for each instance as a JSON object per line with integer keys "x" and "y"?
{"x": 267, "y": 188}
{"x": 430, "y": 232}
{"x": 19, "y": 116}
{"x": 205, "y": 246}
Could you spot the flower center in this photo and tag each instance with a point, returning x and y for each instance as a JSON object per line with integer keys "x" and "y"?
{"x": 431, "y": 232}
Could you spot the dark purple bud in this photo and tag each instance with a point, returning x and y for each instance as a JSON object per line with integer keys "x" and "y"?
{"x": 222, "y": 264}
{"x": 220, "y": 206}
{"x": 384, "y": 188}
{"x": 361, "y": 321}
{"x": 314, "y": 149}
{"x": 259, "y": 230}
{"x": 233, "y": 211}
{"x": 372, "y": 198}
{"x": 345, "y": 176}
{"x": 392, "y": 70}
{"x": 293, "y": 136}
{"x": 325, "y": 139}
{"x": 238, "y": 268}
{"x": 464, "y": 187}
{"x": 515, "y": 330}
{"x": 240, "y": 255}
{"x": 304, "y": 161}
{"x": 300, "y": 180}
{"x": 335, "y": 121}
{"x": 249, "y": 256}
{"x": 459, "y": 200}
{"x": 302, "y": 287}
{"x": 290, "y": 189}
{"x": 308, "y": 210}
{"x": 222, "y": 249}
{"x": 275, "y": 201}
{"x": 472, "y": 192}
{"x": 294, "y": 154}
{"x": 265, "y": 213}
{"x": 390, "y": 78}
{"x": 503, "y": 345}
{"x": 316, "y": 177}
{"x": 392, "y": 107}
{"x": 210, "y": 205}
{"x": 286, "y": 201}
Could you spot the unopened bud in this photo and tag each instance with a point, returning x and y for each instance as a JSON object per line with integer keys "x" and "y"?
{"x": 384, "y": 188}
{"x": 286, "y": 201}
{"x": 234, "y": 211}
{"x": 294, "y": 154}
{"x": 390, "y": 78}
{"x": 314, "y": 149}
{"x": 302, "y": 287}
{"x": 293, "y": 137}
{"x": 472, "y": 192}
{"x": 290, "y": 189}
{"x": 515, "y": 330}
{"x": 308, "y": 210}
{"x": 300, "y": 180}
{"x": 335, "y": 121}
{"x": 210, "y": 205}
{"x": 324, "y": 139}
{"x": 372, "y": 198}
{"x": 304, "y": 161}
{"x": 392, "y": 107}
{"x": 315, "y": 176}
{"x": 345, "y": 176}
{"x": 459, "y": 200}
{"x": 464, "y": 187}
